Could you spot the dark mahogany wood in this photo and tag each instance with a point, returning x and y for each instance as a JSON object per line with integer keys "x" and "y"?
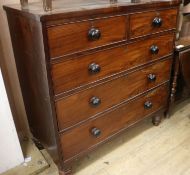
{"x": 69, "y": 10}
{"x": 184, "y": 66}
{"x": 157, "y": 119}
{"x": 61, "y": 38}
{"x": 143, "y": 23}
{"x": 172, "y": 96}
{"x": 174, "y": 80}
{"x": 27, "y": 41}
{"x": 88, "y": 70}
{"x": 80, "y": 138}
{"x": 77, "y": 107}
{"x": 111, "y": 61}
{"x": 180, "y": 87}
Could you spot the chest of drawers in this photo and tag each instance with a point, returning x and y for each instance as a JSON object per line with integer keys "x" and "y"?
{"x": 89, "y": 71}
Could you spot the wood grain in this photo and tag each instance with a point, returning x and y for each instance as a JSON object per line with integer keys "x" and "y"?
{"x": 71, "y": 10}
{"x": 77, "y": 107}
{"x": 141, "y": 23}
{"x": 73, "y": 73}
{"x": 151, "y": 148}
{"x": 53, "y": 52}
{"x": 70, "y": 38}
{"x": 184, "y": 66}
{"x": 180, "y": 80}
{"x": 80, "y": 138}
{"x": 30, "y": 61}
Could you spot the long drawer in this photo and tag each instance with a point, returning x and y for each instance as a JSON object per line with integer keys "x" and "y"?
{"x": 80, "y": 36}
{"x": 152, "y": 22}
{"x": 85, "y": 104}
{"x": 93, "y": 132}
{"x": 79, "y": 71}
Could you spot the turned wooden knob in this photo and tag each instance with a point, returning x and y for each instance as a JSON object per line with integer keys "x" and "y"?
{"x": 154, "y": 49}
{"x": 147, "y": 105}
{"x": 94, "y": 68}
{"x": 95, "y": 132}
{"x": 95, "y": 101}
{"x": 152, "y": 77}
{"x": 157, "y": 22}
{"x": 94, "y": 34}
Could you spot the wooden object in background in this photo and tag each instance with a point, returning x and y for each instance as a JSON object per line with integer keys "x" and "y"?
{"x": 180, "y": 89}
{"x": 90, "y": 70}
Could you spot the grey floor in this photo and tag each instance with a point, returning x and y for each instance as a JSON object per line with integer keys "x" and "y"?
{"x": 145, "y": 149}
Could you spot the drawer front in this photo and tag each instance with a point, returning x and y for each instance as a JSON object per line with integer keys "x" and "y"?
{"x": 152, "y": 22}
{"x": 79, "y": 71}
{"x": 79, "y": 36}
{"x": 85, "y": 104}
{"x": 93, "y": 132}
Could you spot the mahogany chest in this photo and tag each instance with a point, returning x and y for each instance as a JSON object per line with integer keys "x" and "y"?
{"x": 90, "y": 69}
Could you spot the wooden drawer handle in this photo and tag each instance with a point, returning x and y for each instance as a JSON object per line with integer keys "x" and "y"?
{"x": 95, "y": 101}
{"x": 94, "y": 34}
{"x": 148, "y": 105}
{"x": 157, "y": 22}
{"x": 154, "y": 49}
{"x": 94, "y": 68}
{"x": 152, "y": 77}
{"x": 95, "y": 132}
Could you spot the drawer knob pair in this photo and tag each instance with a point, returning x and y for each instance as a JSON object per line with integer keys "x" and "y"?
{"x": 148, "y": 105}
{"x": 95, "y": 132}
{"x": 154, "y": 49}
{"x": 94, "y": 68}
{"x": 95, "y": 101}
{"x": 157, "y": 22}
{"x": 94, "y": 34}
{"x": 152, "y": 77}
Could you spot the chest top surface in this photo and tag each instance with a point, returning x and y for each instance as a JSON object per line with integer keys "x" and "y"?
{"x": 74, "y": 8}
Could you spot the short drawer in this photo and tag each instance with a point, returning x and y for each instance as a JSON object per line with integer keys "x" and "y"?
{"x": 88, "y": 135}
{"x": 152, "y": 22}
{"x": 85, "y": 104}
{"x": 80, "y": 36}
{"x": 79, "y": 71}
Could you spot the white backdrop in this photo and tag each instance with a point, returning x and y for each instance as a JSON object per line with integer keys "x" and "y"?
{"x": 10, "y": 150}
